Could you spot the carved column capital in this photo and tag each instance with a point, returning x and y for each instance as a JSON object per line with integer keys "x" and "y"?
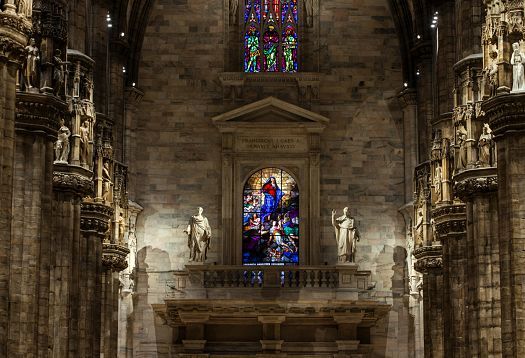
{"x": 14, "y": 32}
{"x": 505, "y": 113}
{"x": 94, "y": 218}
{"x": 429, "y": 259}
{"x": 114, "y": 257}
{"x": 133, "y": 97}
{"x": 407, "y": 97}
{"x": 72, "y": 179}
{"x": 475, "y": 182}
{"x": 451, "y": 221}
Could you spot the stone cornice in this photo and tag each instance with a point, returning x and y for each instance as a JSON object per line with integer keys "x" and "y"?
{"x": 473, "y": 182}
{"x": 94, "y": 218}
{"x": 505, "y": 113}
{"x": 39, "y": 113}
{"x": 114, "y": 257}
{"x": 72, "y": 179}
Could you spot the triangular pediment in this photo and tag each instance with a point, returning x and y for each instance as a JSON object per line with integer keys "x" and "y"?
{"x": 271, "y": 110}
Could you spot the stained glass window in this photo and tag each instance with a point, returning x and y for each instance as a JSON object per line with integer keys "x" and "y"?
{"x": 270, "y": 36}
{"x": 270, "y": 219}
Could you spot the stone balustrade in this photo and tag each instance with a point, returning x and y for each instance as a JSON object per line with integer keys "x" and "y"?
{"x": 217, "y": 277}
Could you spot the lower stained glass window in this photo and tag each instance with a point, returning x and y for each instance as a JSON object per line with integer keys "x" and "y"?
{"x": 270, "y": 219}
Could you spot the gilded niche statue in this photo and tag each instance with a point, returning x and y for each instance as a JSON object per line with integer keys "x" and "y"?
{"x": 346, "y": 235}
{"x": 199, "y": 236}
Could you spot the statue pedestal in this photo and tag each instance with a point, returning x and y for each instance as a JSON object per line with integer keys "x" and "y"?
{"x": 346, "y": 274}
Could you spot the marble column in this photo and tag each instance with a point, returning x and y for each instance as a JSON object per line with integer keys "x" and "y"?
{"x": 506, "y": 114}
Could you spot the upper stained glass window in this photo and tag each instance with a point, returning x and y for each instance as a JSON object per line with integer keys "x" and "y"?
{"x": 270, "y": 36}
{"x": 270, "y": 219}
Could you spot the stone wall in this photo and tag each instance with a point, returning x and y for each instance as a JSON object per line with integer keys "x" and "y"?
{"x": 178, "y": 149}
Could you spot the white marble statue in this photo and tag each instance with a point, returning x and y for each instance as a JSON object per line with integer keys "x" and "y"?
{"x": 84, "y": 144}
{"x": 485, "y": 144}
{"x": 518, "y": 72}
{"x": 31, "y": 65}
{"x": 121, "y": 226}
{"x": 346, "y": 235}
{"x": 461, "y": 142}
{"x": 62, "y": 144}
{"x": 199, "y": 236}
{"x": 492, "y": 73}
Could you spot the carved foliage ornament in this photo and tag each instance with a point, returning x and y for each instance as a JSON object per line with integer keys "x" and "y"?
{"x": 472, "y": 186}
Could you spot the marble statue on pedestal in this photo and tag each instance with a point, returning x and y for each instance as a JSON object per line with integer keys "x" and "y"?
{"x": 518, "y": 72}
{"x": 31, "y": 65}
{"x": 121, "y": 225}
{"x": 199, "y": 236}
{"x": 346, "y": 235}
{"x": 485, "y": 145}
{"x": 106, "y": 182}
{"x": 492, "y": 73}
{"x": 58, "y": 73}
{"x": 84, "y": 144}
{"x": 62, "y": 144}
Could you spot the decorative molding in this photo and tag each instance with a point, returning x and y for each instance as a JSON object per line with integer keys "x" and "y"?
{"x": 408, "y": 97}
{"x": 429, "y": 259}
{"x": 473, "y": 182}
{"x": 114, "y": 257}
{"x": 94, "y": 218}
{"x": 451, "y": 220}
{"x": 14, "y": 33}
{"x": 73, "y": 179}
{"x": 39, "y": 113}
{"x": 505, "y": 113}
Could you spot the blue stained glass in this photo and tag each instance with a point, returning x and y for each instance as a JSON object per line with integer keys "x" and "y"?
{"x": 271, "y": 221}
{"x": 251, "y": 51}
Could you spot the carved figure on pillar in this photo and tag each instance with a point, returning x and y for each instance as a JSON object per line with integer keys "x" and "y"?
{"x": 121, "y": 225}
{"x": 418, "y": 228}
{"x": 85, "y": 159}
{"x": 62, "y": 144}
{"x": 24, "y": 7}
{"x": 461, "y": 145}
{"x": 492, "y": 73}
{"x": 518, "y": 72}
{"x": 438, "y": 178}
{"x": 106, "y": 182}
{"x": 485, "y": 145}
{"x": 346, "y": 236}
{"x": 31, "y": 65}
{"x": 58, "y": 73}
{"x": 199, "y": 236}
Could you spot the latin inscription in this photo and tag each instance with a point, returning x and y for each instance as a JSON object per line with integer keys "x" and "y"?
{"x": 274, "y": 143}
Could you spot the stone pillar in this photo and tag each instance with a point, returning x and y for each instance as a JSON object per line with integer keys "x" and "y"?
{"x": 271, "y": 342}
{"x": 94, "y": 225}
{"x": 13, "y": 34}
{"x": 506, "y": 114}
{"x": 451, "y": 230}
{"x": 31, "y": 237}
{"x": 477, "y": 188}
{"x": 408, "y": 100}
{"x": 430, "y": 263}
{"x": 114, "y": 260}
{"x": 347, "y": 341}
{"x": 70, "y": 184}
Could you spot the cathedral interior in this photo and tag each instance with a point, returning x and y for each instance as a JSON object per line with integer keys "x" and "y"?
{"x": 262, "y": 178}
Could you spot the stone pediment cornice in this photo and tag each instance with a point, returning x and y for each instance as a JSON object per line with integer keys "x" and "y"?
{"x": 270, "y": 110}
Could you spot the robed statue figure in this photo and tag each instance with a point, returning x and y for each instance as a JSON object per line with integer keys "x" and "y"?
{"x": 346, "y": 234}
{"x": 199, "y": 236}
